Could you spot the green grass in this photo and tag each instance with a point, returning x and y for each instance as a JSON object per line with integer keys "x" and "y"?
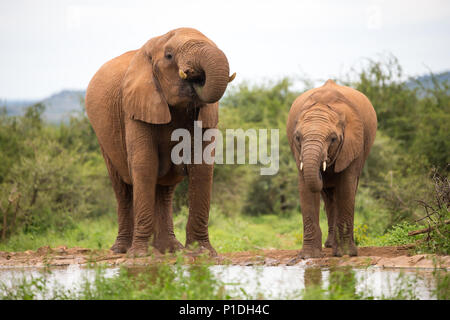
{"x": 90, "y": 233}
{"x": 227, "y": 233}
{"x": 242, "y": 233}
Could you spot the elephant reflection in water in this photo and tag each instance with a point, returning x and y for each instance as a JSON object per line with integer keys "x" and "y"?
{"x": 341, "y": 282}
{"x": 313, "y": 277}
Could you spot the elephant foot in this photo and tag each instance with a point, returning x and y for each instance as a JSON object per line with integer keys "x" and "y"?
{"x": 167, "y": 245}
{"x": 330, "y": 241}
{"x": 337, "y": 252}
{"x": 121, "y": 246}
{"x": 307, "y": 253}
{"x": 351, "y": 250}
{"x": 137, "y": 252}
{"x": 202, "y": 246}
{"x": 138, "y": 249}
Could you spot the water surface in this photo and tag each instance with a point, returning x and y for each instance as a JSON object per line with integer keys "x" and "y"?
{"x": 270, "y": 282}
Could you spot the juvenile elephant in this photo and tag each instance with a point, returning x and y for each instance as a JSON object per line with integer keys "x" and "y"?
{"x": 134, "y": 103}
{"x": 330, "y": 130}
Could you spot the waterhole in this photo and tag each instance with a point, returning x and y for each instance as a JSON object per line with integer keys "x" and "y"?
{"x": 251, "y": 282}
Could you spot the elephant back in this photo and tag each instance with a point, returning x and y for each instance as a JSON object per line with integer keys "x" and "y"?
{"x": 104, "y": 110}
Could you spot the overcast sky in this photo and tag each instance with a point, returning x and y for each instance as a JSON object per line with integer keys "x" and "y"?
{"x": 51, "y": 45}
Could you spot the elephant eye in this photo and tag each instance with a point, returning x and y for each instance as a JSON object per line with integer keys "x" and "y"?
{"x": 169, "y": 56}
{"x": 333, "y": 139}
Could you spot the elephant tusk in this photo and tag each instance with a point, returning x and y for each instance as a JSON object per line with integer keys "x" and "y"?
{"x": 324, "y": 165}
{"x": 232, "y": 77}
{"x": 301, "y": 166}
{"x": 182, "y": 74}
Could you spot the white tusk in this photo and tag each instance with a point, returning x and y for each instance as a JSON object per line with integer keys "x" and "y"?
{"x": 324, "y": 165}
{"x": 182, "y": 74}
{"x": 301, "y": 166}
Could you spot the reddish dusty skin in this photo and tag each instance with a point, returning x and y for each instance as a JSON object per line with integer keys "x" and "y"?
{"x": 134, "y": 103}
{"x": 330, "y": 130}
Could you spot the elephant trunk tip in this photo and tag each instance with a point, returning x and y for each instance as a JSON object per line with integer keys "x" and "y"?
{"x": 315, "y": 187}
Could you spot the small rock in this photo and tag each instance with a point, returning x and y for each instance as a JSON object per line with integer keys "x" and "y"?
{"x": 63, "y": 257}
{"x": 61, "y": 249}
{"x": 44, "y": 250}
{"x": 61, "y": 263}
{"x": 414, "y": 259}
{"x": 271, "y": 262}
{"x": 80, "y": 250}
{"x": 375, "y": 260}
{"x": 294, "y": 261}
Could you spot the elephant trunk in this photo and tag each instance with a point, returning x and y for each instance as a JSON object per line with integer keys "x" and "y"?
{"x": 213, "y": 64}
{"x": 311, "y": 159}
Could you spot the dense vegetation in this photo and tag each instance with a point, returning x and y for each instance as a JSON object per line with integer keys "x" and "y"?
{"x": 53, "y": 182}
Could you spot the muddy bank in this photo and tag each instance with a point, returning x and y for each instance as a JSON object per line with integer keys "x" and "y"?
{"x": 395, "y": 257}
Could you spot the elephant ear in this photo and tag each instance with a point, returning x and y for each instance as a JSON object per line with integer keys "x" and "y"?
{"x": 141, "y": 96}
{"x": 353, "y": 141}
{"x": 209, "y": 115}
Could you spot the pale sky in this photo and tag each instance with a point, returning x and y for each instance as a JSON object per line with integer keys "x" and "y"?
{"x": 51, "y": 45}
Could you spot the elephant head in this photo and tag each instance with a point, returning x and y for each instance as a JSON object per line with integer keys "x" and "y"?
{"x": 179, "y": 69}
{"x": 328, "y": 135}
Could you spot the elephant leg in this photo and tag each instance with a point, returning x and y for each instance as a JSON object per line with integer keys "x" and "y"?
{"x": 142, "y": 151}
{"x": 312, "y": 235}
{"x": 199, "y": 190}
{"x": 124, "y": 197}
{"x": 345, "y": 195}
{"x": 164, "y": 237}
{"x": 331, "y": 210}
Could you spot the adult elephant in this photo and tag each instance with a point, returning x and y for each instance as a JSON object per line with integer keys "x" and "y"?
{"x": 134, "y": 103}
{"x": 330, "y": 130}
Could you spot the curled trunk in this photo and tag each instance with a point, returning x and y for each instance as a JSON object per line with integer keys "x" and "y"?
{"x": 213, "y": 63}
{"x": 215, "y": 66}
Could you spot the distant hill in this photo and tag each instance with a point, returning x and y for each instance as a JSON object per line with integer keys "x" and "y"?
{"x": 426, "y": 80}
{"x": 57, "y": 107}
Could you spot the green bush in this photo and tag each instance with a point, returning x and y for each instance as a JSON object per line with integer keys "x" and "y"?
{"x": 398, "y": 235}
{"x": 412, "y": 138}
{"x": 48, "y": 179}
{"x": 261, "y": 107}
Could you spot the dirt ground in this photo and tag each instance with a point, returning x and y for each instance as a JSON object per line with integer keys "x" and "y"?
{"x": 389, "y": 257}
